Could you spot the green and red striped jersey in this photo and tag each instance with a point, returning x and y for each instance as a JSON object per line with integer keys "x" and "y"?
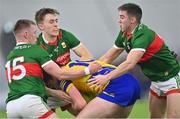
{"x": 59, "y": 50}
{"x": 24, "y": 71}
{"x": 157, "y": 63}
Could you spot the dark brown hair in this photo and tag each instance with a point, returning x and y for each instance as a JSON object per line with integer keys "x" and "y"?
{"x": 132, "y": 10}
{"x": 40, "y": 14}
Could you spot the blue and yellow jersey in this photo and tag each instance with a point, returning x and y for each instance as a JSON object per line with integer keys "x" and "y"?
{"x": 81, "y": 83}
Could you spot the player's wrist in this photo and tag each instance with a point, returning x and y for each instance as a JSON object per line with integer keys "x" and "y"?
{"x": 108, "y": 77}
{"x": 87, "y": 71}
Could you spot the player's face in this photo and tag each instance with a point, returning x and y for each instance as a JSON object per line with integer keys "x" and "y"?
{"x": 50, "y": 25}
{"x": 124, "y": 21}
{"x": 32, "y": 35}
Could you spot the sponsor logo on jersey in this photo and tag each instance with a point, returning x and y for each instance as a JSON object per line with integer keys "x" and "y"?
{"x": 166, "y": 73}
{"x": 63, "y": 59}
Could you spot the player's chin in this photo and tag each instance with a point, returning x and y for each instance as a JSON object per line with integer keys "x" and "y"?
{"x": 55, "y": 33}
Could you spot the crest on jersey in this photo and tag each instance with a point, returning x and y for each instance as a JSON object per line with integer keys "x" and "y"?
{"x": 63, "y": 44}
{"x": 166, "y": 73}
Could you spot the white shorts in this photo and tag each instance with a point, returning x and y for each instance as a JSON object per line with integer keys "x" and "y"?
{"x": 54, "y": 103}
{"x": 162, "y": 89}
{"x": 27, "y": 106}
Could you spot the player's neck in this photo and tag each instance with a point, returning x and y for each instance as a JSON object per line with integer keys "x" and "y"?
{"x": 19, "y": 42}
{"x": 132, "y": 28}
{"x": 49, "y": 37}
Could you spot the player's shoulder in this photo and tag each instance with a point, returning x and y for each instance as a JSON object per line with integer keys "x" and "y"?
{"x": 35, "y": 46}
{"x": 66, "y": 33}
{"x": 37, "y": 49}
{"x": 142, "y": 29}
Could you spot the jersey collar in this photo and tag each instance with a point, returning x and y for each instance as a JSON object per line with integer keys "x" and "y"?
{"x": 21, "y": 43}
{"x": 52, "y": 43}
{"x": 130, "y": 35}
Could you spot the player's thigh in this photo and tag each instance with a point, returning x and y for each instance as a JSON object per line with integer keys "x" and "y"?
{"x": 101, "y": 108}
{"x": 35, "y": 107}
{"x": 28, "y": 106}
{"x": 173, "y": 105}
{"x": 157, "y": 106}
{"x": 10, "y": 111}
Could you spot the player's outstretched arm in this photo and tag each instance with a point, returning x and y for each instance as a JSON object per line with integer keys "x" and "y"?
{"x": 131, "y": 60}
{"x": 69, "y": 74}
{"x": 111, "y": 55}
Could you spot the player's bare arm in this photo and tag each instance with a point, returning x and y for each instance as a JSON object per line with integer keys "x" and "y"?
{"x": 132, "y": 59}
{"x": 59, "y": 94}
{"x": 111, "y": 55}
{"x": 83, "y": 52}
{"x": 68, "y": 74}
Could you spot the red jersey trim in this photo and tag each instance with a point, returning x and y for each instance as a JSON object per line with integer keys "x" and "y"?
{"x": 129, "y": 35}
{"x": 173, "y": 91}
{"x": 154, "y": 47}
{"x": 43, "y": 46}
{"x": 32, "y": 69}
{"x": 46, "y": 115}
{"x": 156, "y": 95}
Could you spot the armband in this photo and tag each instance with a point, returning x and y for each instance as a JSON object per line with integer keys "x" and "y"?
{"x": 86, "y": 70}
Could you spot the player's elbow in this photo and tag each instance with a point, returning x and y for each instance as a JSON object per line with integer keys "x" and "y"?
{"x": 60, "y": 76}
{"x": 63, "y": 74}
{"x": 130, "y": 65}
{"x": 80, "y": 105}
{"x": 63, "y": 77}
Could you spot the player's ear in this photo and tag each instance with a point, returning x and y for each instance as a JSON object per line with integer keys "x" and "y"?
{"x": 25, "y": 34}
{"x": 133, "y": 19}
{"x": 40, "y": 26}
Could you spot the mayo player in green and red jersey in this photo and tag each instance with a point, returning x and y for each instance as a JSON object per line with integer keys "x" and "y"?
{"x": 24, "y": 70}
{"x": 147, "y": 49}
{"x": 58, "y": 43}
